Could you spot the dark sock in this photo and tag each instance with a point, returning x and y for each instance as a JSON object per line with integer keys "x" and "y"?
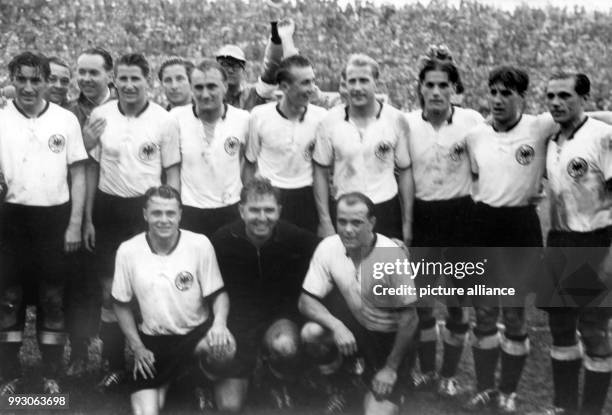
{"x": 52, "y": 359}
{"x": 9, "y": 360}
{"x": 452, "y": 356}
{"x": 565, "y": 380}
{"x": 595, "y": 391}
{"x": 427, "y": 356}
{"x": 78, "y": 348}
{"x": 511, "y": 371}
{"x": 485, "y": 363}
{"x": 114, "y": 345}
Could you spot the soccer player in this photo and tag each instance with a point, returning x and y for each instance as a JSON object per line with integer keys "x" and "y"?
{"x": 174, "y": 277}
{"x": 212, "y": 136}
{"x": 443, "y": 183}
{"x": 364, "y": 142}
{"x": 345, "y": 318}
{"x": 41, "y": 157}
{"x": 246, "y": 96}
{"x": 282, "y": 138}
{"x": 508, "y": 159}
{"x": 579, "y": 172}
{"x": 174, "y": 77}
{"x": 59, "y": 81}
{"x": 264, "y": 261}
{"x": 139, "y": 142}
{"x": 93, "y": 75}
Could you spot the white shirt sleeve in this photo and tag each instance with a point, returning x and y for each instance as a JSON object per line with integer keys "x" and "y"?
{"x": 170, "y": 143}
{"x": 209, "y": 274}
{"x": 75, "y": 148}
{"x": 318, "y": 280}
{"x": 323, "y": 153}
{"x": 253, "y": 144}
{"x": 122, "y": 280}
{"x": 402, "y": 153}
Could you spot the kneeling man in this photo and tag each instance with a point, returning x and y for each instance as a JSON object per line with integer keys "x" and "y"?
{"x": 174, "y": 276}
{"x": 350, "y": 313}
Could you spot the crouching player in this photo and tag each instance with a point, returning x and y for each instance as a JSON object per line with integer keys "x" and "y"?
{"x": 174, "y": 277}
{"x": 346, "y": 318}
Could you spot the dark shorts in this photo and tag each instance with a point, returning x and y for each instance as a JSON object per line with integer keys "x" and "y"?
{"x": 299, "y": 208}
{"x": 442, "y": 223}
{"x": 249, "y": 335}
{"x": 174, "y": 355}
{"x": 570, "y": 272}
{"x": 505, "y": 226}
{"x": 116, "y": 220}
{"x": 207, "y": 221}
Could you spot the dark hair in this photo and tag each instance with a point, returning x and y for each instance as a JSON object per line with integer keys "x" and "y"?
{"x": 582, "y": 83}
{"x": 440, "y": 65}
{"x": 353, "y": 198}
{"x": 59, "y": 62}
{"x": 284, "y": 69}
{"x": 32, "y": 60}
{"x": 165, "y": 192}
{"x": 206, "y": 65}
{"x": 259, "y": 186}
{"x": 175, "y": 60}
{"x": 134, "y": 59}
{"x": 510, "y": 77}
{"x": 106, "y": 56}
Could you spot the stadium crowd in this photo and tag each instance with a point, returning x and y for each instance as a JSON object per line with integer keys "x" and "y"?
{"x": 225, "y": 225}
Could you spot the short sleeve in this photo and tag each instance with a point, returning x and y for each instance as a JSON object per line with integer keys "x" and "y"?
{"x": 209, "y": 274}
{"x": 253, "y": 145}
{"x": 75, "y": 147}
{"x": 318, "y": 281}
{"x": 323, "y": 153}
{"x": 470, "y": 143}
{"x": 546, "y": 125}
{"x": 605, "y": 156}
{"x": 122, "y": 280}
{"x": 402, "y": 153}
{"x": 170, "y": 143}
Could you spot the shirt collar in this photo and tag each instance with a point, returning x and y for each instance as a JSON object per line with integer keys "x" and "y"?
{"x": 195, "y": 111}
{"x": 449, "y": 120}
{"x": 139, "y": 112}
{"x": 574, "y": 131}
{"x": 302, "y": 116}
{"x": 22, "y": 112}
{"x": 369, "y": 248}
{"x": 511, "y": 127}
{"x": 171, "y": 249}
{"x": 346, "y": 111}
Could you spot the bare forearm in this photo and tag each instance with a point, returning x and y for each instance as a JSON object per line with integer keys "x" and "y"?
{"x": 92, "y": 171}
{"x": 220, "y": 307}
{"x": 406, "y": 192}
{"x": 126, "y": 320}
{"x": 403, "y": 338}
{"x": 77, "y": 193}
{"x": 321, "y": 192}
{"x": 173, "y": 176}
{"x": 313, "y": 310}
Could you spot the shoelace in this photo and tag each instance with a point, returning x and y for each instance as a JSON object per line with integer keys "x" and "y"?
{"x": 335, "y": 404}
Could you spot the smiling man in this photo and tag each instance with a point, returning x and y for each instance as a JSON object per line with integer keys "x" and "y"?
{"x": 59, "y": 81}
{"x": 263, "y": 261}
{"x": 138, "y": 143}
{"x": 41, "y": 158}
{"x": 282, "y": 139}
{"x": 363, "y": 143}
{"x": 174, "y": 77}
{"x": 212, "y": 137}
{"x": 174, "y": 277}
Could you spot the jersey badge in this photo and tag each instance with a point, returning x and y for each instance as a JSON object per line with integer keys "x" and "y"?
{"x": 57, "y": 142}
{"x": 457, "y": 151}
{"x": 382, "y": 150}
{"x": 147, "y": 151}
{"x": 577, "y": 167}
{"x": 524, "y": 154}
{"x": 231, "y": 145}
{"x": 309, "y": 150}
{"x": 183, "y": 280}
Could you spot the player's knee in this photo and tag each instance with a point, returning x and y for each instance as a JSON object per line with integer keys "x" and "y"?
{"x": 230, "y": 397}
{"x": 486, "y": 319}
{"x": 597, "y": 343}
{"x": 312, "y": 333}
{"x": 283, "y": 346}
{"x": 10, "y": 303}
{"x": 514, "y": 320}
{"x": 144, "y": 404}
{"x": 53, "y": 310}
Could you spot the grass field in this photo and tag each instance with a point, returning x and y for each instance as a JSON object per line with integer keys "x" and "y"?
{"x": 535, "y": 389}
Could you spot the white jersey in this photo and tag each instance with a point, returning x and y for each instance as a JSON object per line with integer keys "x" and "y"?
{"x": 133, "y": 150}
{"x": 35, "y": 154}
{"x": 364, "y": 160}
{"x": 171, "y": 289}
{"x": 281, "y": 147}
{"x": 210, "y": 169}
{"x": 510, "y": 164}
{"x": 440, "y": 162}
{"x": 330, "y": 266}
{"x": 577, "y": 173}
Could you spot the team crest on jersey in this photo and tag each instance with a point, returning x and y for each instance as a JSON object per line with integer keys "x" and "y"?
{"x": 57, "y": 142}
{"x": 309, "y": 150}
{"x": 525, "y": 154}
{"x": 577, "y": 167}
{"x": 231, "y": 145}
{"x": 457, "y": 152}
{"x": 147, "y": 151}
{"x": 183, "y": 280}
{"x": 382, "y": 150}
